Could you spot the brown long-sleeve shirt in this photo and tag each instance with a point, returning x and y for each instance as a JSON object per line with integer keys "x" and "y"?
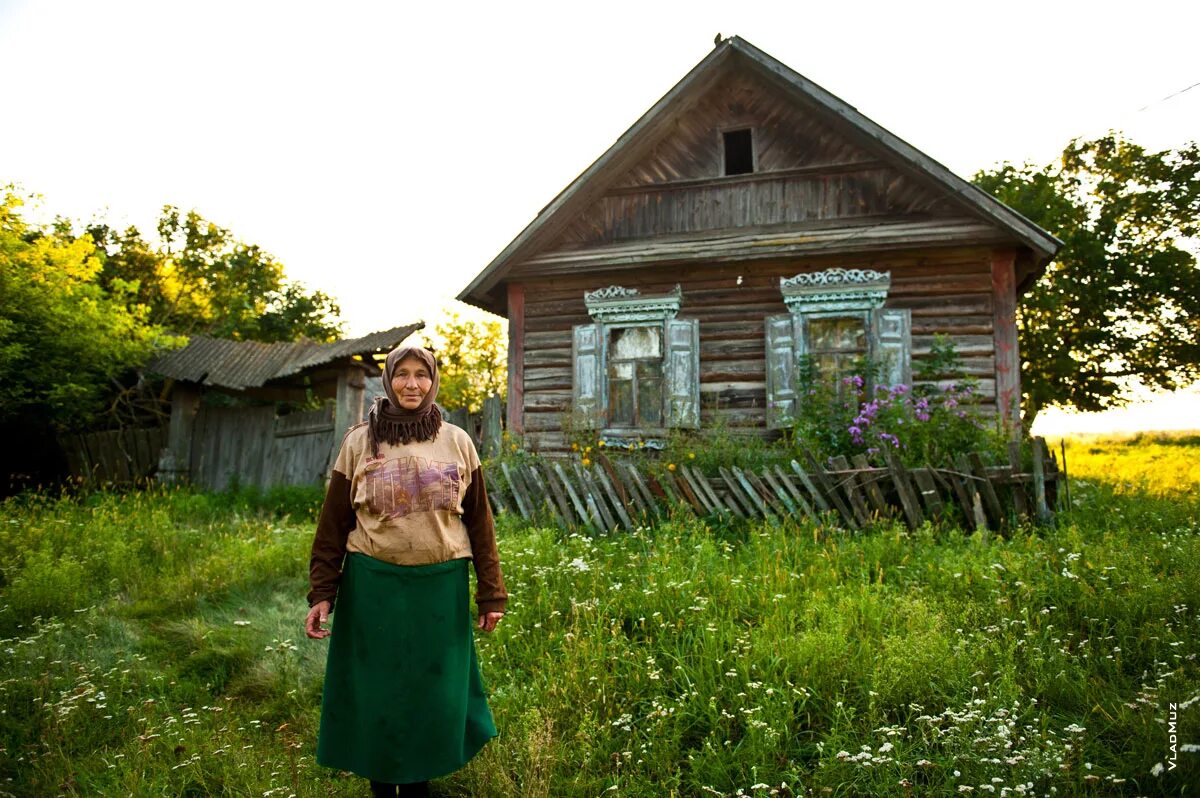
{"x": 414, "y": 504}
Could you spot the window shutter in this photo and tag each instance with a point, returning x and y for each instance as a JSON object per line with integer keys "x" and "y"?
{"x": 781, "y": 370}
{"x": 586, "y": 385}
{"x": 683, "y": 373}
{"x": 891, "y": 334}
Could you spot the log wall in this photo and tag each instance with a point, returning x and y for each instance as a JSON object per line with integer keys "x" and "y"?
{"x": 948, "y": 291}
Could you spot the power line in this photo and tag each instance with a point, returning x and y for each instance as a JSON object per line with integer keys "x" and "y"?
{"x": 1169, "y": 96}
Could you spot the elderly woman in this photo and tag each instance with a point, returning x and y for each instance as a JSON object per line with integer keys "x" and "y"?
{"x": 405, "y": 510}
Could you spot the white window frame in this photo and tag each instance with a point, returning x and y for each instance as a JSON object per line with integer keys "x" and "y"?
{"x": 833, "y": 293}
{"x": 616, "y": 307}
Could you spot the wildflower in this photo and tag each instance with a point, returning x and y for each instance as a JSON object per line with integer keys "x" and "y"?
{"x": 691, "y": 455}
{"x": 579, "y": 565}
{"x": 670, "y": 466}
{"x": 600, "y": 443}
{"x": 586, "y": 462}
{"x": 574, "y": 447}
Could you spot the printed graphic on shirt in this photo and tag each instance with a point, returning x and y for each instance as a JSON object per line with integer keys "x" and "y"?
{"x": 410, "y": 485}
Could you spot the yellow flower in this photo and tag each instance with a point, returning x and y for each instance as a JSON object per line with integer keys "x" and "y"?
{"x": 600, "y": 443}
{"x": 691, "y": 455}
{"x": 514, "y": 447}
{"x": 670, "y": 466}
{"x": 574, "y": 447}
{"x": 587, "y": 449}
{"x": 587, "y": 462}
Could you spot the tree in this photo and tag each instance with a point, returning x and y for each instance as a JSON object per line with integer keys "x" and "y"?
{"x": 65, "y": 340}
{"x": 472, "y": 361}
{"x": 204, "y": 280}
{"x": 1121, "y": 301}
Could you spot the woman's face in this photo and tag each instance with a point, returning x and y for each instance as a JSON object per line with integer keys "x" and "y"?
{"x": 411, "y": 381}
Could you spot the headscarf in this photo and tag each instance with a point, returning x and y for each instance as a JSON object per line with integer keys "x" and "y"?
{"x": 388, "y": 422}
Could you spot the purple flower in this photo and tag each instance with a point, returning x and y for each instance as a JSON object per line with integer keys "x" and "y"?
{"x": 900, "y": 390}
{"x": 854, "y": 431}
{"x": 922, "y": 416}
{"x": 951, "y": 403}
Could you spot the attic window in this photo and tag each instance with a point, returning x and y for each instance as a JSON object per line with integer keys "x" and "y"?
{"x": 739, "y": 151}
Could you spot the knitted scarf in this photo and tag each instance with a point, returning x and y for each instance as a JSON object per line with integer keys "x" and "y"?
{"x": 388, "y": 422}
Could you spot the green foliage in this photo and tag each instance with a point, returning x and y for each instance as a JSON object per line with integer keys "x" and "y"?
{"x": 65, "y": 339}
{"x": 472, "y": 362}
{"x": 202, "y": 279}
{"x": 1122, "y": 298}
{"x": 928, "y": 423}
{"x": 680, "y": 659}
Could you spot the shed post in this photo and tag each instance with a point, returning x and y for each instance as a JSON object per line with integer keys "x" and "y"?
{"x": 349, "y": 408}
{"x": 516, "y": 358}
{"x": 175, "y": 460}
{"x": 1004, "y": 332}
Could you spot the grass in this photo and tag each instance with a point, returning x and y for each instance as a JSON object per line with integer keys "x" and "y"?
{"x": 153, "y": 646}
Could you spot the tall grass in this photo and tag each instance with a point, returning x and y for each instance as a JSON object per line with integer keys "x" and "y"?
{"x": 153, "y": 646}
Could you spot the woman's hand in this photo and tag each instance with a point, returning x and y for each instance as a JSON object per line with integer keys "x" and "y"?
{"x": 488, "y": 620}
{"x": 318, "y": 615}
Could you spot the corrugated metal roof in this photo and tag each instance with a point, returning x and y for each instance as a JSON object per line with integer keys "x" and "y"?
{"x": 251, "y": 364}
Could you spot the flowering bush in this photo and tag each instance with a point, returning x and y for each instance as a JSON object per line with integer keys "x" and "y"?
{"x": 928, "y": 424}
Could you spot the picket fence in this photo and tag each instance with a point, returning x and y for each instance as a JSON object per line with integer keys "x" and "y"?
{"x": 609, "y": 495}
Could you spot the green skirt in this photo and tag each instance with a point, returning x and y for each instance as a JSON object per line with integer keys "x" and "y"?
{"x": 403, "y": 699}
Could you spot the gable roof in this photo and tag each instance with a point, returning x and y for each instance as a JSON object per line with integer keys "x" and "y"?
{"x": 621, "y": 156}
{"x": 251, "y": 364}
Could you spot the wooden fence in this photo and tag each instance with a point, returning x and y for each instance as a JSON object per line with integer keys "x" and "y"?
{"x": 610, "y": 495}
{"x": 116, "y": 456}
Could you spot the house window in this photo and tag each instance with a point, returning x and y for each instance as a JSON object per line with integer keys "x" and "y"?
{"x": 739, "y": 151}
{"x": 635, "y": 371}
{"x": 836, "y": 319}
{"x": 635, "y": 366}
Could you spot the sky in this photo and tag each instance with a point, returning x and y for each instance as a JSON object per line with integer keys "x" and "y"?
{"x": 386, "y": 152}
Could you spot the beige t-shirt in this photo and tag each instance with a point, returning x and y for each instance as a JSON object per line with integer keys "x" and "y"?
{"x": 408, "y": 500}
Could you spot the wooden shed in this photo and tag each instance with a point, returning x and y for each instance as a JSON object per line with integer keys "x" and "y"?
{"x": 748, "y": 220}
{"x": 212, "y": 442}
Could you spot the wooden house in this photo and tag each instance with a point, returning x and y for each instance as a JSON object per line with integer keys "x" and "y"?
{"x": 749, "y": 222}
{"x": 225, "y": 426}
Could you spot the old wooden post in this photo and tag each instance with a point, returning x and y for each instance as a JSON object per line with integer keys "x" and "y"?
{"x": 349, "y": 408}
{"x": 175, "y": 461}
{"x": 490, "y": 443}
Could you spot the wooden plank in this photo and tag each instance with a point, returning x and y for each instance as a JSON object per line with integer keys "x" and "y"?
{"x": 516, "y": 358}
{"x": 686, "y": 491}
{"x": 635, "y": 502}
{"x": 750, "y": 493}
{"x": 734, "y": 500}
{"x": 610, "y": 492}
{"x": 643, "y": 490}
{"x": 706, "y": 489}
{"x": 1016, "y": 483}
{"x": 1039, "y": 486}
{"x": 1004, "y": 332}
{"x": 540, "y": 493}
{"x": 579, "y": 505}
{"x": 699, "y": 492}
{"x": 767, "y": 494}
{"x": 781, "y": 495}
{"x": 818, "y": 496}
{"x": 849, "y": 485}
{"x": 929, "y": 492}
{"x": 870, "y": 482}
{"x": 668, "y": 488}
{"x": 595, "y": 497}
{"x": 904, "y": 489}
{"x": 796, "y": 494}
{"x": 966, "y": 476}
{"x": 990, "y": 500}
{"x": 515, "y": 488}
{"x": 950, "y": 481}
{"x": 1065, "y": 492}
{"x": 560, "y": 498}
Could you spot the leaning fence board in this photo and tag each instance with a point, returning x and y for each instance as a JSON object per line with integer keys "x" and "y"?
{"x": 1020, "y": 497}
{"x": 533, "y": 480}
{"x": 699, "y": 491}
{"x": 601, "y": 478}
{"x": 686, "y": 491}
{"x": 870, "y": 485}
{"x": 990, "y": 500}
{"x": 749, "y": 492}
{"x": 827, "y": 488}
{"x": 515, "y": 490}
{"x": 593, "y": 498}
{"x": 556, "y": 491}
{"x": 1039, "y": 485}
{"x": 796, "y": 494}
{"x": 908, "y": 498}
{"x": 849, "y": 485}
{"x": 636, "y": 503}
{"x": 576, "y": 502}
{"x": 734, "y": 497}
{"x": 929, "y": 492}
{"x": 780, "y": 494}
{"x": 706, "y": 487}
{"x": 643, "y": 489}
